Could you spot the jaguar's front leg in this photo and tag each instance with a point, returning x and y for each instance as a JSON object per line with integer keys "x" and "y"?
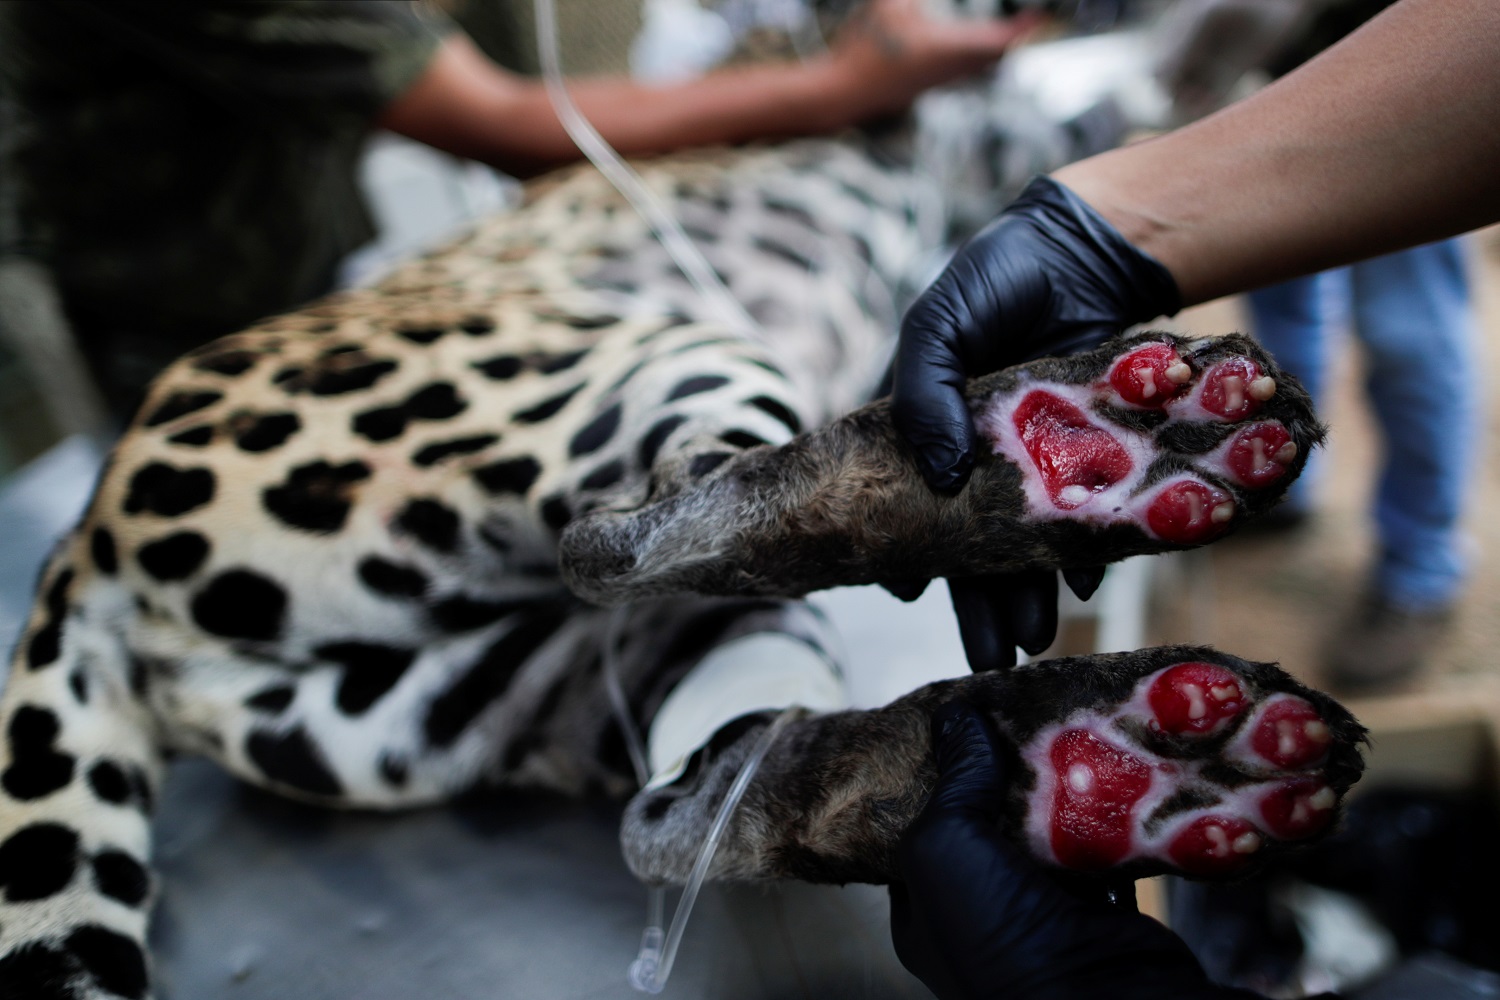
{"x": 1148, "y": 443}
{"x": 1176, "y": 759}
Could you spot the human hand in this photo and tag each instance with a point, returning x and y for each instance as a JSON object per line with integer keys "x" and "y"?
{"x": 1000, "y": 612}
{"x": 972, "y": 917}
{"x": 890, "y": 51}
{"x": 1049, "y": 276}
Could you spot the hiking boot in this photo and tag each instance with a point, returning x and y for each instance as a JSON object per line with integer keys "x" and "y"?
{"x": 1382, "y": 645}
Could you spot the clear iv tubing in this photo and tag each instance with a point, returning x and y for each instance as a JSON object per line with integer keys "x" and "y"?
{"x": 700, "y": 274}
{"x": 649, "y": 972}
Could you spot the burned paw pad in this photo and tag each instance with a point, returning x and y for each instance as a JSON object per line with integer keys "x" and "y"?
{"x": 1176, "y": 437}
{"x": 1194, "y": 772}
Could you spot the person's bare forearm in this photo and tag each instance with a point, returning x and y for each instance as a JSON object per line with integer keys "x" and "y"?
{"x": 1387, "y": 140}
{"x": 466, "y": 105}
{"x": 509, "y": 121}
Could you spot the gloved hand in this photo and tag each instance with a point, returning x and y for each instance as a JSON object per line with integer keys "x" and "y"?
{"x": 973, "y": 918}
{"x": 999, "y": 612}
{"x": 1049, "y": 276}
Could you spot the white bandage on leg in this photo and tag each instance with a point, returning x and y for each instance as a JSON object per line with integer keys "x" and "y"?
{"x": 765, "y": 670}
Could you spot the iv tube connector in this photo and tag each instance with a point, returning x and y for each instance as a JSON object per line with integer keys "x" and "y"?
{"x": 649, "y": 972}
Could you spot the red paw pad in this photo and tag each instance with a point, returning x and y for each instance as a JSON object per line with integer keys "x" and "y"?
{"x": 1259, "y": 454}
{"x": 1215, "y": 845}
{"x": 1235, "y": 389}
{"x": 1190, "y": 512}
{"x": 1098, "y": 786}
{"x": 1298, "y": 809}
{"x": 1194, "y": 699}
{"x": 1075, "y": 457}
{"x": 1150, "y": 375}
{"x": 1290, "y": 734}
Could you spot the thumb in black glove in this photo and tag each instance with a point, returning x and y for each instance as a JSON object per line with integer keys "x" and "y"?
{"x": 974, "y": 918}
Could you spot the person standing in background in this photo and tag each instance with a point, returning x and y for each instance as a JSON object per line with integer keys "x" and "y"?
{"x": 170, "y": 173}
{"x": 1410, "y": 311}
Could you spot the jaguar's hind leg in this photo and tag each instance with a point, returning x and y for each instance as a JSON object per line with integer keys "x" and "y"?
{"x": 1175, "y": 759}
{"x": 1148, "y": 443}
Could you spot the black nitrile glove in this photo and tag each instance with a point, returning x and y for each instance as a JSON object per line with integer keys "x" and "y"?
{"x": 973, "y": 918}
{"x": 1049, "y": 276}
{"x": 1000, "y": 612}
{"x": 997, "y": 613}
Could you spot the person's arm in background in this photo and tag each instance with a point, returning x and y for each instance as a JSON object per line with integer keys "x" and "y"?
{"x": 1389, "y": 139}
{"x": 466, "y": 105}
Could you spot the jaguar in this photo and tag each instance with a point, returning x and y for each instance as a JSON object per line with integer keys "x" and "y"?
{"x": 482, "y": 522}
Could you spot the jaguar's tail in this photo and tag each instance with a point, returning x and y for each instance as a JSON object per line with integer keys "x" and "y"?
{"x": 79, "y": 769}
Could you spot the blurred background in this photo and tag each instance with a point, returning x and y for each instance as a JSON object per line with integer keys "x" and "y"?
{"x": 266, "y": 898}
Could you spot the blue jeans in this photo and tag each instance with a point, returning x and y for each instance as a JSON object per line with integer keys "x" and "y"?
{"x": 1411, "y": 312}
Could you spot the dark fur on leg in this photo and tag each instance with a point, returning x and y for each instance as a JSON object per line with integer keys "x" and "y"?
{"x": 834, "y": 794}
{"x": 846, "y": 505}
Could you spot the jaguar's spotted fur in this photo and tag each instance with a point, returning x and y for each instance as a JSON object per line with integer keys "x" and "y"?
{"x": 326, "y": 552}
